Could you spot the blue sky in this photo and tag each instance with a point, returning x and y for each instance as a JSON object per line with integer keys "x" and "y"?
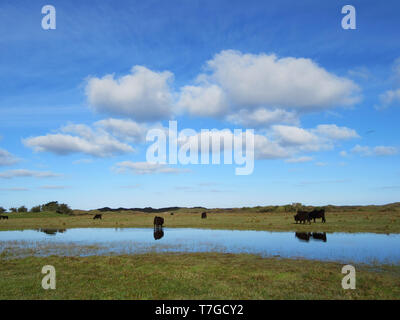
{"x": 74, "y": 109}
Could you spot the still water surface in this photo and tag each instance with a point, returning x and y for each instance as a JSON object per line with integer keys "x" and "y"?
{"x": 342, "y": 247}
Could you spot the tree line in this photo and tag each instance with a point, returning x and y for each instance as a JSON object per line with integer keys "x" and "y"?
{"x": 52, "y": 206}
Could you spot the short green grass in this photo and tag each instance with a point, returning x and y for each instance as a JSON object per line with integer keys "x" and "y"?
{"x": 192, "y": 276}
{"x": 366, "y": 220}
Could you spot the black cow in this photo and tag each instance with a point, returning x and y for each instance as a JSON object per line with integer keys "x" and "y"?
{"x": 158, "y": 221}
{"x": 172, "y": 213}
{"x": 97, "y": 216}
{"x": 318, "y": 213}
{"x": 204, "y": 215}
{"x": 302, "y": 216}
{"x": 4, "y": 217}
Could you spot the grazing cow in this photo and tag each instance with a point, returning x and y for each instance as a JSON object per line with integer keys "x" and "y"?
{"x": 158, "y": 221}
{"x": 302, "y": 216}
{"x": 319, "y": 236}
{"x": 172, "y": 213}
{"x": 303, "y": 236}
{"x": 158, "y": 233}
{"x": 204, "y": 215}
{"x": 97, "y": 216}
{"x": 318, "y": 213}
{"x": 4, "y": 217}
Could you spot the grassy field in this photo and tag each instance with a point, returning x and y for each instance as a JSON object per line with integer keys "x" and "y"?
{"x": 364, "y": 220}
{"x": 192, "y": 276}
{"x": 199, "y": 276}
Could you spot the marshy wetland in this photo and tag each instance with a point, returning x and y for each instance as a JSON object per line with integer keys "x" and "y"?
{"x": 249, "y": 253}
{"x": 369, "y": 248}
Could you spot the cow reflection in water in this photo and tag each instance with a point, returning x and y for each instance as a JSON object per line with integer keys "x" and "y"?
{"x": 306, "y": 236}
{"x": 319, "y": 236}
{"x": 158, "y": 232}
{"x": 158, "y": 228}
{"x": 52, "y": 231}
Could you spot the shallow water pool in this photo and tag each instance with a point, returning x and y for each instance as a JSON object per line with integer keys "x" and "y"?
{"x": 341, "y": 247}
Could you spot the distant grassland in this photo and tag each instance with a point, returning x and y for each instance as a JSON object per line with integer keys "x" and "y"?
{"x": 192, "y": 276}
{"x": 384, "y": 219}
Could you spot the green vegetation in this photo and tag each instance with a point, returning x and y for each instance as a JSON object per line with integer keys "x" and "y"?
{"x": 363, "y": 219}
{"x": 198, "y": 276}
{"x": 53, "y": 206}
{"x": 36, "y": 209}
{"x": 22, "y": 209}
{"x": 193, "y": 276}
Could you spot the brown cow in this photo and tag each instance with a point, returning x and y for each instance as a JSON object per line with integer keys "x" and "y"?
{"x": 97, "y": 216}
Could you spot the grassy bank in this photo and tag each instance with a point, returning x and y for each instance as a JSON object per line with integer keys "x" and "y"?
{"x": 193, "y": 276}
{"x": 366, "y": 220}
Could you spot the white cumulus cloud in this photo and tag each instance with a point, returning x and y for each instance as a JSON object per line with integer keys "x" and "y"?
{"x": 78, "y": 138}
{"x": 291, "y": 135}
{"x": 263, "y": 79}
{"x": 334, "y": 132}
{"x": 255, "y": 90}
{"x": 207, "y": 100}
{"x": 143, "y": 95}
{"x": 374, "y": 151}
{"x": 263, "y": 117}
{"x": 125, "y": 129}
{"x": 262, "y": 89}
{"x": 388, "y": 98}
{"x": 6, "y": 158}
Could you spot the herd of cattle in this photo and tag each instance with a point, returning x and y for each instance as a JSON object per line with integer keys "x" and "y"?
{"x": 301, "y": 216}
{"x": 304, "y": 216}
